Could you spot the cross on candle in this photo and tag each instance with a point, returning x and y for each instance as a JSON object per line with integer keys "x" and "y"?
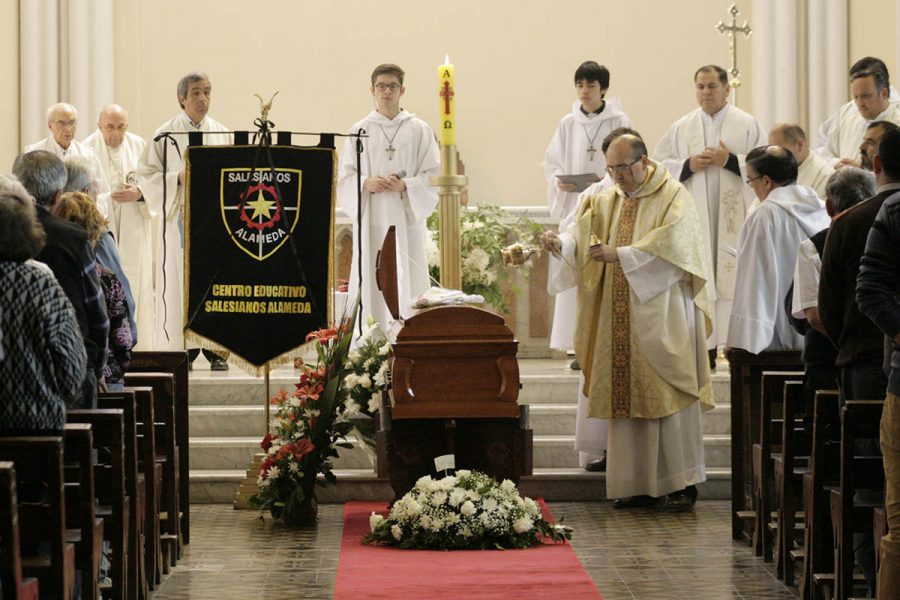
{"x": 446, "y": 94}
{"x": 448, "y": 102}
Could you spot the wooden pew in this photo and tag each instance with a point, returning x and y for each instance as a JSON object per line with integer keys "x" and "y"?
{"x": 16, "y": 587}
{"x": 177, "y": 364}
{"x": 85, "y": 529}
{"x": 796, "y": 445}
{"x": 768, "y": 442}
{"x": 108, "y": 427}
{"x": 860, "y": 419}
{"x": 135, "y": 487}
{"x": 824, "y": 472}
{"x": 42, "y": 511}
{"x": 746, "y": 388}
{"x": 163, "y": 385}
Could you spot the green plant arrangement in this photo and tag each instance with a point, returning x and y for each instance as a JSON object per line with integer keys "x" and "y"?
{"x": 484, "y": 231}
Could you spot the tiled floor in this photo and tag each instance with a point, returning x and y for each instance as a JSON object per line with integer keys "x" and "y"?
{"x": 629, "y": 554}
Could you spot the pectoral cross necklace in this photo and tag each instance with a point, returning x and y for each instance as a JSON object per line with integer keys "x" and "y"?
{"x": 390, "y": 147}
{"x": 591, "y": 150}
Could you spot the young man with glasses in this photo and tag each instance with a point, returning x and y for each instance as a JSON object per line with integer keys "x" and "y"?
{"x": 705, "y": 151}
{"x": 399, "y": 157}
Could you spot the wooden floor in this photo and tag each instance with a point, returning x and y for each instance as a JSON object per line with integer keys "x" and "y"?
{"x": 637, "y": 554}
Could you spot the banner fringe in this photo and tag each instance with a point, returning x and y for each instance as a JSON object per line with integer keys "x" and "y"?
{"x": 302, "y": 352}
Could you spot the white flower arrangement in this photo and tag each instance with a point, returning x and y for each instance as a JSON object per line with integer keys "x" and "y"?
{"x": 468, "y": 510}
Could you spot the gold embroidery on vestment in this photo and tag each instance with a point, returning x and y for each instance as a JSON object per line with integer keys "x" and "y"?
{"x": 621, "y": 319}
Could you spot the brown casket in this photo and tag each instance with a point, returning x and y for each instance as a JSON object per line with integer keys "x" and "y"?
{"x": 455, "y": 382}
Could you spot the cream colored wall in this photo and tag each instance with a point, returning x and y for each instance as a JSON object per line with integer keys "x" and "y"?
{"x": 873, "y": 32}
{"x": 9, "y": 75}
{"x": 514, "y": 65}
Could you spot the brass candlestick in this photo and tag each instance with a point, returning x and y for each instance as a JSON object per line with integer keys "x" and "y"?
{"x": 449, "y": 184}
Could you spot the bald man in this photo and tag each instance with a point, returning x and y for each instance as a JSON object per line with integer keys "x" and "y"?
{"x": 813, "y": 170}
{"x": 62, "y": 121}
{"x": 129, "y": 219}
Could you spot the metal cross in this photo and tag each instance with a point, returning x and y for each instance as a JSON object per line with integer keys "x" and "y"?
{"x": 731, "y": 31}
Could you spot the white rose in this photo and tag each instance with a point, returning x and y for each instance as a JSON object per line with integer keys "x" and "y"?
{"x": 467, "y": 509}
{"x": 532, "y": 507}
{"x": 522, "y": 525}
{"x": 375, "y": 520}
{"x": 365, "y": 381}
{"x": 396, "y": 532}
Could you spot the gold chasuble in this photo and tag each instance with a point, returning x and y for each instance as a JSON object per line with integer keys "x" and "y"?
{"x": 643, "y": 359}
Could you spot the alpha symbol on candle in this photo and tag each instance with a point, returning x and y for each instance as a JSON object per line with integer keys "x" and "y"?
{"x": 447, "y": 94}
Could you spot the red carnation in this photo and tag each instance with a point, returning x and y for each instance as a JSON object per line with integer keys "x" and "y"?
{"x": 266, "y": 442}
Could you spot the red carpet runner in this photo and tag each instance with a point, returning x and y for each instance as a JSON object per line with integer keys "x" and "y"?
{"x": 382, "y": 572}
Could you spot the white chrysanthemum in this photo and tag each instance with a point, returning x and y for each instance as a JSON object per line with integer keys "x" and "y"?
{"x": 466, "y": 532}
{"x": 351, "y": 407}
{"x": 381, "y": 375}
{"x": 375, "y": 520}
{"x": 522, "y": 525}
{"x": 452, "y": 519}
{"x": 439, "y": 498}
{"x": 448, "y": 483}
{"x": 508, "y": 486}
{"x": 436, "y": 524}
{"x": 413, "y": 508}
{"x": 490, "y": 505}
{"x": 463, "y": 474}
{"x": 396, "y": 532}
{"x": 422, "y": 483}
{"x": 375, "y": 402}
{"x": 532, "y": 507}
{"x": 467, "y": 509}
{"x": 457, "y": 497}
{"x": 353, "y": 355}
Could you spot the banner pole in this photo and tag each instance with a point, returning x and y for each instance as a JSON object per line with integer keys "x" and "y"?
{"x": 266, "y": 399}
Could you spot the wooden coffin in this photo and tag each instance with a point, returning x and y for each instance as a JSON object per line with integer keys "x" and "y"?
{"x": 448, "y": 361}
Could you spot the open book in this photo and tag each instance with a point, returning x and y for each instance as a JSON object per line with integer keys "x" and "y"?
{"x": 581, "y": 181}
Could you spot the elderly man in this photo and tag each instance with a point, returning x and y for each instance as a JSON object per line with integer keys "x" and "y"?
{"x": 643, "y": 314}
{"x": 870, "y": 90}
{"x": 767, "y": 251}
{"x": 62, "y": 121}
{"x": 129, "y": 218}
{"x": 163, "y": 190}
{"x": 68, "y": 254}
{"x": 705, "y": 151}
{"x": 813, "y": 170}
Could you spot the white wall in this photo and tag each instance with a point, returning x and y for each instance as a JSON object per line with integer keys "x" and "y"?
{"x": 9, "y": 75}
{"x": 514, "y": 65}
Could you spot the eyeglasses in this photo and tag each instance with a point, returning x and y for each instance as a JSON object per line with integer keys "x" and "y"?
{"x": 387, "y": 86}
{"x": 750, "y": 180}
{"x": 620, "y": 169}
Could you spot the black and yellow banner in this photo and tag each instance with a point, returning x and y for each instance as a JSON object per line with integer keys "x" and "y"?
{"x": 258, "y": 247}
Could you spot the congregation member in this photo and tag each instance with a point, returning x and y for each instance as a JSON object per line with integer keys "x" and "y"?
{"x": 80, "y": 179}
{"x": 859, "y": 342}
{"x": 79, "y": 208}
{"x": 575, "y": 149}
{"x": 870, "y": 91}
{"x": 129, "y": 216}
{"x": 400, "y": 155}
{"x": 164, "y": 194}
{"x": 812, "y": 169}
{"x": 640, "y": 260}
{"x": 705, "y": 151}
{"x": 62, "y": 121}
{"x": 42, "y": 354}
{"x": 846, "y": 188}
{"x": 70, "y": 257}
{"x": 767, "y": 251}
{"x": 876, "y": 292}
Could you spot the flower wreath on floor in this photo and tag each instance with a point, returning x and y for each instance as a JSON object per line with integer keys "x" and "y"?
{"x": 466, "y": 511}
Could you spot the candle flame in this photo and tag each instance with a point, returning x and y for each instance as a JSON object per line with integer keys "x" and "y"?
{"x": 446, "y": 59}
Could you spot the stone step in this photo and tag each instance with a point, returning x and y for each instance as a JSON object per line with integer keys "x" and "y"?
{"x": 546, "y": 419}
{"x": 550, "y": 451}
{"x": 553, "y": 484}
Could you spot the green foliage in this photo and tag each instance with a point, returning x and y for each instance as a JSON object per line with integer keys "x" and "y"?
{"x": 484, "y": 230}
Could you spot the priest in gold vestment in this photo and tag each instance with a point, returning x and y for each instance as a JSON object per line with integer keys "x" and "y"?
{"x": 643, "y": 321}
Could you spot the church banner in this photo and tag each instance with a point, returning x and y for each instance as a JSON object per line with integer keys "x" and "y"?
{"x": 258, "y": 248}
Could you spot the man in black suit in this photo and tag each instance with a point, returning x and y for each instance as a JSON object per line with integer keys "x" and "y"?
{"x": 69, "y": 255}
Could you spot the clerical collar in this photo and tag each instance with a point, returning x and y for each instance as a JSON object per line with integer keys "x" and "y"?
{"x": 596, "y": 112}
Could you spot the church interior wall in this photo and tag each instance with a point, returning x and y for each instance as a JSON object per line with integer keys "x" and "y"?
{"x": 9, "y": 75}
{"x": 873, "y": 32}
{"x": 514, "y": 65}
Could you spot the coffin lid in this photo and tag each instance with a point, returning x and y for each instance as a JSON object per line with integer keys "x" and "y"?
{"x": 386, "y": 271}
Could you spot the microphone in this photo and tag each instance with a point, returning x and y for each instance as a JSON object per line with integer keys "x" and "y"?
{"x": 399, "y": 175}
